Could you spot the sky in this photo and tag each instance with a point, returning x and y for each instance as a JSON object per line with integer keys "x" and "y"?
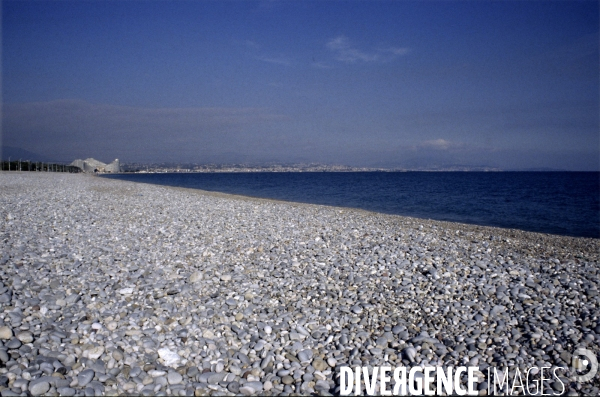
{"x": 398, "y": 84}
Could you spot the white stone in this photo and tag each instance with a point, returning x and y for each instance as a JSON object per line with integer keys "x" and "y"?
{"x": 111, "y": 326}
{"x": 25, "y": 336}
{"x": 170, "y": 358}
{"x": 6, "y": 332}
{"x": 196, "y": 276}
{"x": 268, "y": 385}
{"x": 95, "y": 352}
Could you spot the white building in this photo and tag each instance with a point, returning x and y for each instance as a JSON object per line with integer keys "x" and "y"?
{"x": 93, "y": 165}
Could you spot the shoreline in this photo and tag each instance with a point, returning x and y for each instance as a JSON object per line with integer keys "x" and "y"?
{"x": 458, "y": 226}
{"x": 549, "y": 228}
{"x": 158, "y": 289}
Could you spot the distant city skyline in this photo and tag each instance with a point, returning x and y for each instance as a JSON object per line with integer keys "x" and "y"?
{"x": 510, "y": 85}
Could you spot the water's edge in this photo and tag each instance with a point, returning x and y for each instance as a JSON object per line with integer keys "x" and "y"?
{"x": 554, "y": 203}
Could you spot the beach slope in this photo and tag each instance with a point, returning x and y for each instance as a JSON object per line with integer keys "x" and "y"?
{"x": 113, "y": 287}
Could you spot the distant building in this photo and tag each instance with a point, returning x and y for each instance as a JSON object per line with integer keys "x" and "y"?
{"x": 92, "y": 165}
{"x": 115, "y": 166}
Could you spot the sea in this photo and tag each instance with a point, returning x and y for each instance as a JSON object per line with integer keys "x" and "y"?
{"x": 563, "y": 203}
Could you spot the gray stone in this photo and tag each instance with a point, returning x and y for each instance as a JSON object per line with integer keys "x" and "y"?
{"x": 246, "y": 390}
{"x": 85, "y": 377}
{"x": 231, "y": 302}
{"x": 233, "y": 387}
{"x": 14, "y": 343}
{"x": 39, "y": 388}
{"x": 410, "y": 353}
{"x": 66, "y": 391}
{"x": 174, "y": 378}
{"x": 255, "y": 385}
{"x": 287, "y": 380}
{"x": 117, "y": 355}
{"x": 497, "y": 310}
{"x": 211, "y": 377}
{"x": 192, "y": 372}
{"x": 305, "y": 356}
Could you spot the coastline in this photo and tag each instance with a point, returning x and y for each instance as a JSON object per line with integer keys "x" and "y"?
{"x": 543, "y": 203}
{"x": 521, "y": 236}
{"x": 270, "y": 297}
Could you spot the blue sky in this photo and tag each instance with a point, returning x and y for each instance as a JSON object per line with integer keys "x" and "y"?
{"x": 384, "y": 83}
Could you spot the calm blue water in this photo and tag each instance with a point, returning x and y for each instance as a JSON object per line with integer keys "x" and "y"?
{"x": 566, "y": 203}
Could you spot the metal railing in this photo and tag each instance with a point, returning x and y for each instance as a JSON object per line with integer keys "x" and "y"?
{"x": 37, "y": 166}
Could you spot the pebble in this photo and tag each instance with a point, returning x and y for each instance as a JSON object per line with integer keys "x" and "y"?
{"x": 231, "y": 302}
{"x": 287, "y": 380}
{"x": 5, "y": 333}
{"x": 66, "y": 391}
{"x": 246, "y": 390}
{"x": 156, "y": 373}
{"x": 113, "y": 325}
{"x": 95, "y": 352}
{"x": 25, "y": 336}
{"x": 174, "y": 378}
{"x": 170, "y": 358}
{"x": 233, "y": 387}
{"x": 410, "y": 353}
{"x": 123, "y": 288}
{"x": 85, "y": 377}
{"x": 320, "y": 365}
{"x": 196, "y": 276}
{"x": 14, "y": 343}
{"x": 305, "y": 356}
{"x": 39, "y": 388}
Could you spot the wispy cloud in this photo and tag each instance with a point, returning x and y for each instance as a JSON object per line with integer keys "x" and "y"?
{"x": 396, "y": 50}
{"x": 276, "y": 60}
{"x": 321, "y": 65}
{"x": 444, "y": 145}
{"x": 251, "y": 44}
{"x": 439, "y": 144}
{"x": 254, "y": 50}
{"x": 346, "y": 52}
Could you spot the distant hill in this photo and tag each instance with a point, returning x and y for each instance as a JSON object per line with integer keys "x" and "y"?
{"x": 538, "y": 169}
{"x": 16, "y": 153}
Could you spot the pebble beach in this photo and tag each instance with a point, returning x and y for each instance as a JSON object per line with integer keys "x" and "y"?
{"x": 110, "y": 287}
